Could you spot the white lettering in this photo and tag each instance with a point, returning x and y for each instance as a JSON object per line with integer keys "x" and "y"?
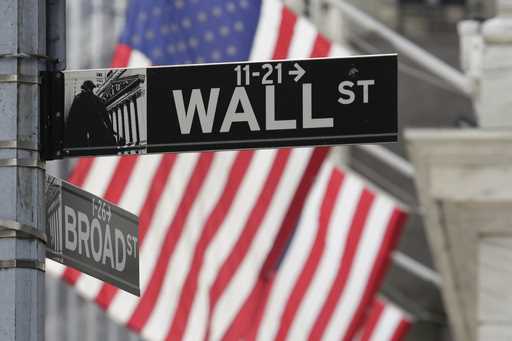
{"x": 270, "y": 112}
{"x": 365, "y": 84}
{"x": 196, "y": 103}
{"x": 342, "y": 88}
{"x": 96, "y": 249}
{"x": 107, "y": 247}
{"x": 135, "y": 240}
{"x": 129, "y": 249}
{"x": 247, "y": 114}
{"x": 83, "y": 233}
{"x": 119, "y": 238}
{"x": 307, "y": 111}
{"x": 70, "y": 228}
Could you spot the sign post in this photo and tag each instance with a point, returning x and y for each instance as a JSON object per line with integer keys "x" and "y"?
{"x": 222, "y": 106}
{"x": 92, "y": 235}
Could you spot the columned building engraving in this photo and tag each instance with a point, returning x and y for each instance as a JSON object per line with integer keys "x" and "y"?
{"x": 123, "y": 95}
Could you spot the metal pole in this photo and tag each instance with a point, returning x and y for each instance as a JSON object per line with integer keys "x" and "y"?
{"x": 22, "y": 254}
{"x": 393, "y": 160}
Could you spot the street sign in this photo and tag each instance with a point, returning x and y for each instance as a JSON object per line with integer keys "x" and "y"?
{"x": 222, "y": 106}
{"x": 92, "y": 235}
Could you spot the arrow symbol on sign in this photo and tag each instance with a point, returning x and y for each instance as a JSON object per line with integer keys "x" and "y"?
{"x": 298, "y": 72}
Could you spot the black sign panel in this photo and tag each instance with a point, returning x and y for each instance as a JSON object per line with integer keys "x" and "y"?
{"x": 92, "y": 235}
{"x": 229, "y": 106}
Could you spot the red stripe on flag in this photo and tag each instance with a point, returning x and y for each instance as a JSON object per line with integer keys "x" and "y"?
{"x": 120, "y": 178}
{"x": 394, "y": 226}
{"x": 211, "y": 227}
{"x": 316, "y": 252}
{"x": 401, "y": 330}
{"x": 321, "y": 47}
{"x": 248, "y": 319}
{"x": 113, "y": 193}
{"x": 150, "y": 295}
{"x": 107, "y": 292}
{"x": 253, "y": 223}
{"x": 352, "y": 244}
{"x": 286, "y": 28}
{"x": 71, "y": 275}
{"x": 121, "y": 56}
{"x": 81, "y": 170}
{"x": 373, "y": 319}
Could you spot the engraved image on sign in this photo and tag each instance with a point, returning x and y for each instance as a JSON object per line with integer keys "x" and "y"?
{"x": 105, "y": 111}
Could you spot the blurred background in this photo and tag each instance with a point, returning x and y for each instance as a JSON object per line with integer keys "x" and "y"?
{"x": 425, "y": 100}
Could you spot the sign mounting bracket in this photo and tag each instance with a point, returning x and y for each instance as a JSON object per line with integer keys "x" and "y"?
{"x": 52, "y": 115}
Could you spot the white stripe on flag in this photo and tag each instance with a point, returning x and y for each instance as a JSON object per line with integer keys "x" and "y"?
{"x": 139, "y": 184}
{"x": 54, "y": 268}
{"x": 247, "y": 273}
{"x": 339, "y": 227}
{"x": 295, "y": 257}
{"x": 179, "y": 264}
{"x": 363, "y": 263}
{"x": 303, "y": 40}
{"x": 267, "y": 31}
{"x": 389, "y": 320}
{"x": 100, "y": 175}
{"x": 138, "y": 59}
{"x": 124, "y": 304}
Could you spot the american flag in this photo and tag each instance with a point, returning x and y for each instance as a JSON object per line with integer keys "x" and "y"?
{"x": 267, "y": 244}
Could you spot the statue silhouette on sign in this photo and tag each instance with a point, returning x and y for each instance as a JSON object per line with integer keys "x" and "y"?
{"x": 88, "y": 123}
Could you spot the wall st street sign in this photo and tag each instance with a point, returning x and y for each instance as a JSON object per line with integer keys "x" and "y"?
{"x": 221, "y": 106}
{"x": 92, "y": 235}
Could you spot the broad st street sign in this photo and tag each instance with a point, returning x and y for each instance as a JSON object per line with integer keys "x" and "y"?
{"x": 221, "y": 106}
{"x": 92, "y": 235}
